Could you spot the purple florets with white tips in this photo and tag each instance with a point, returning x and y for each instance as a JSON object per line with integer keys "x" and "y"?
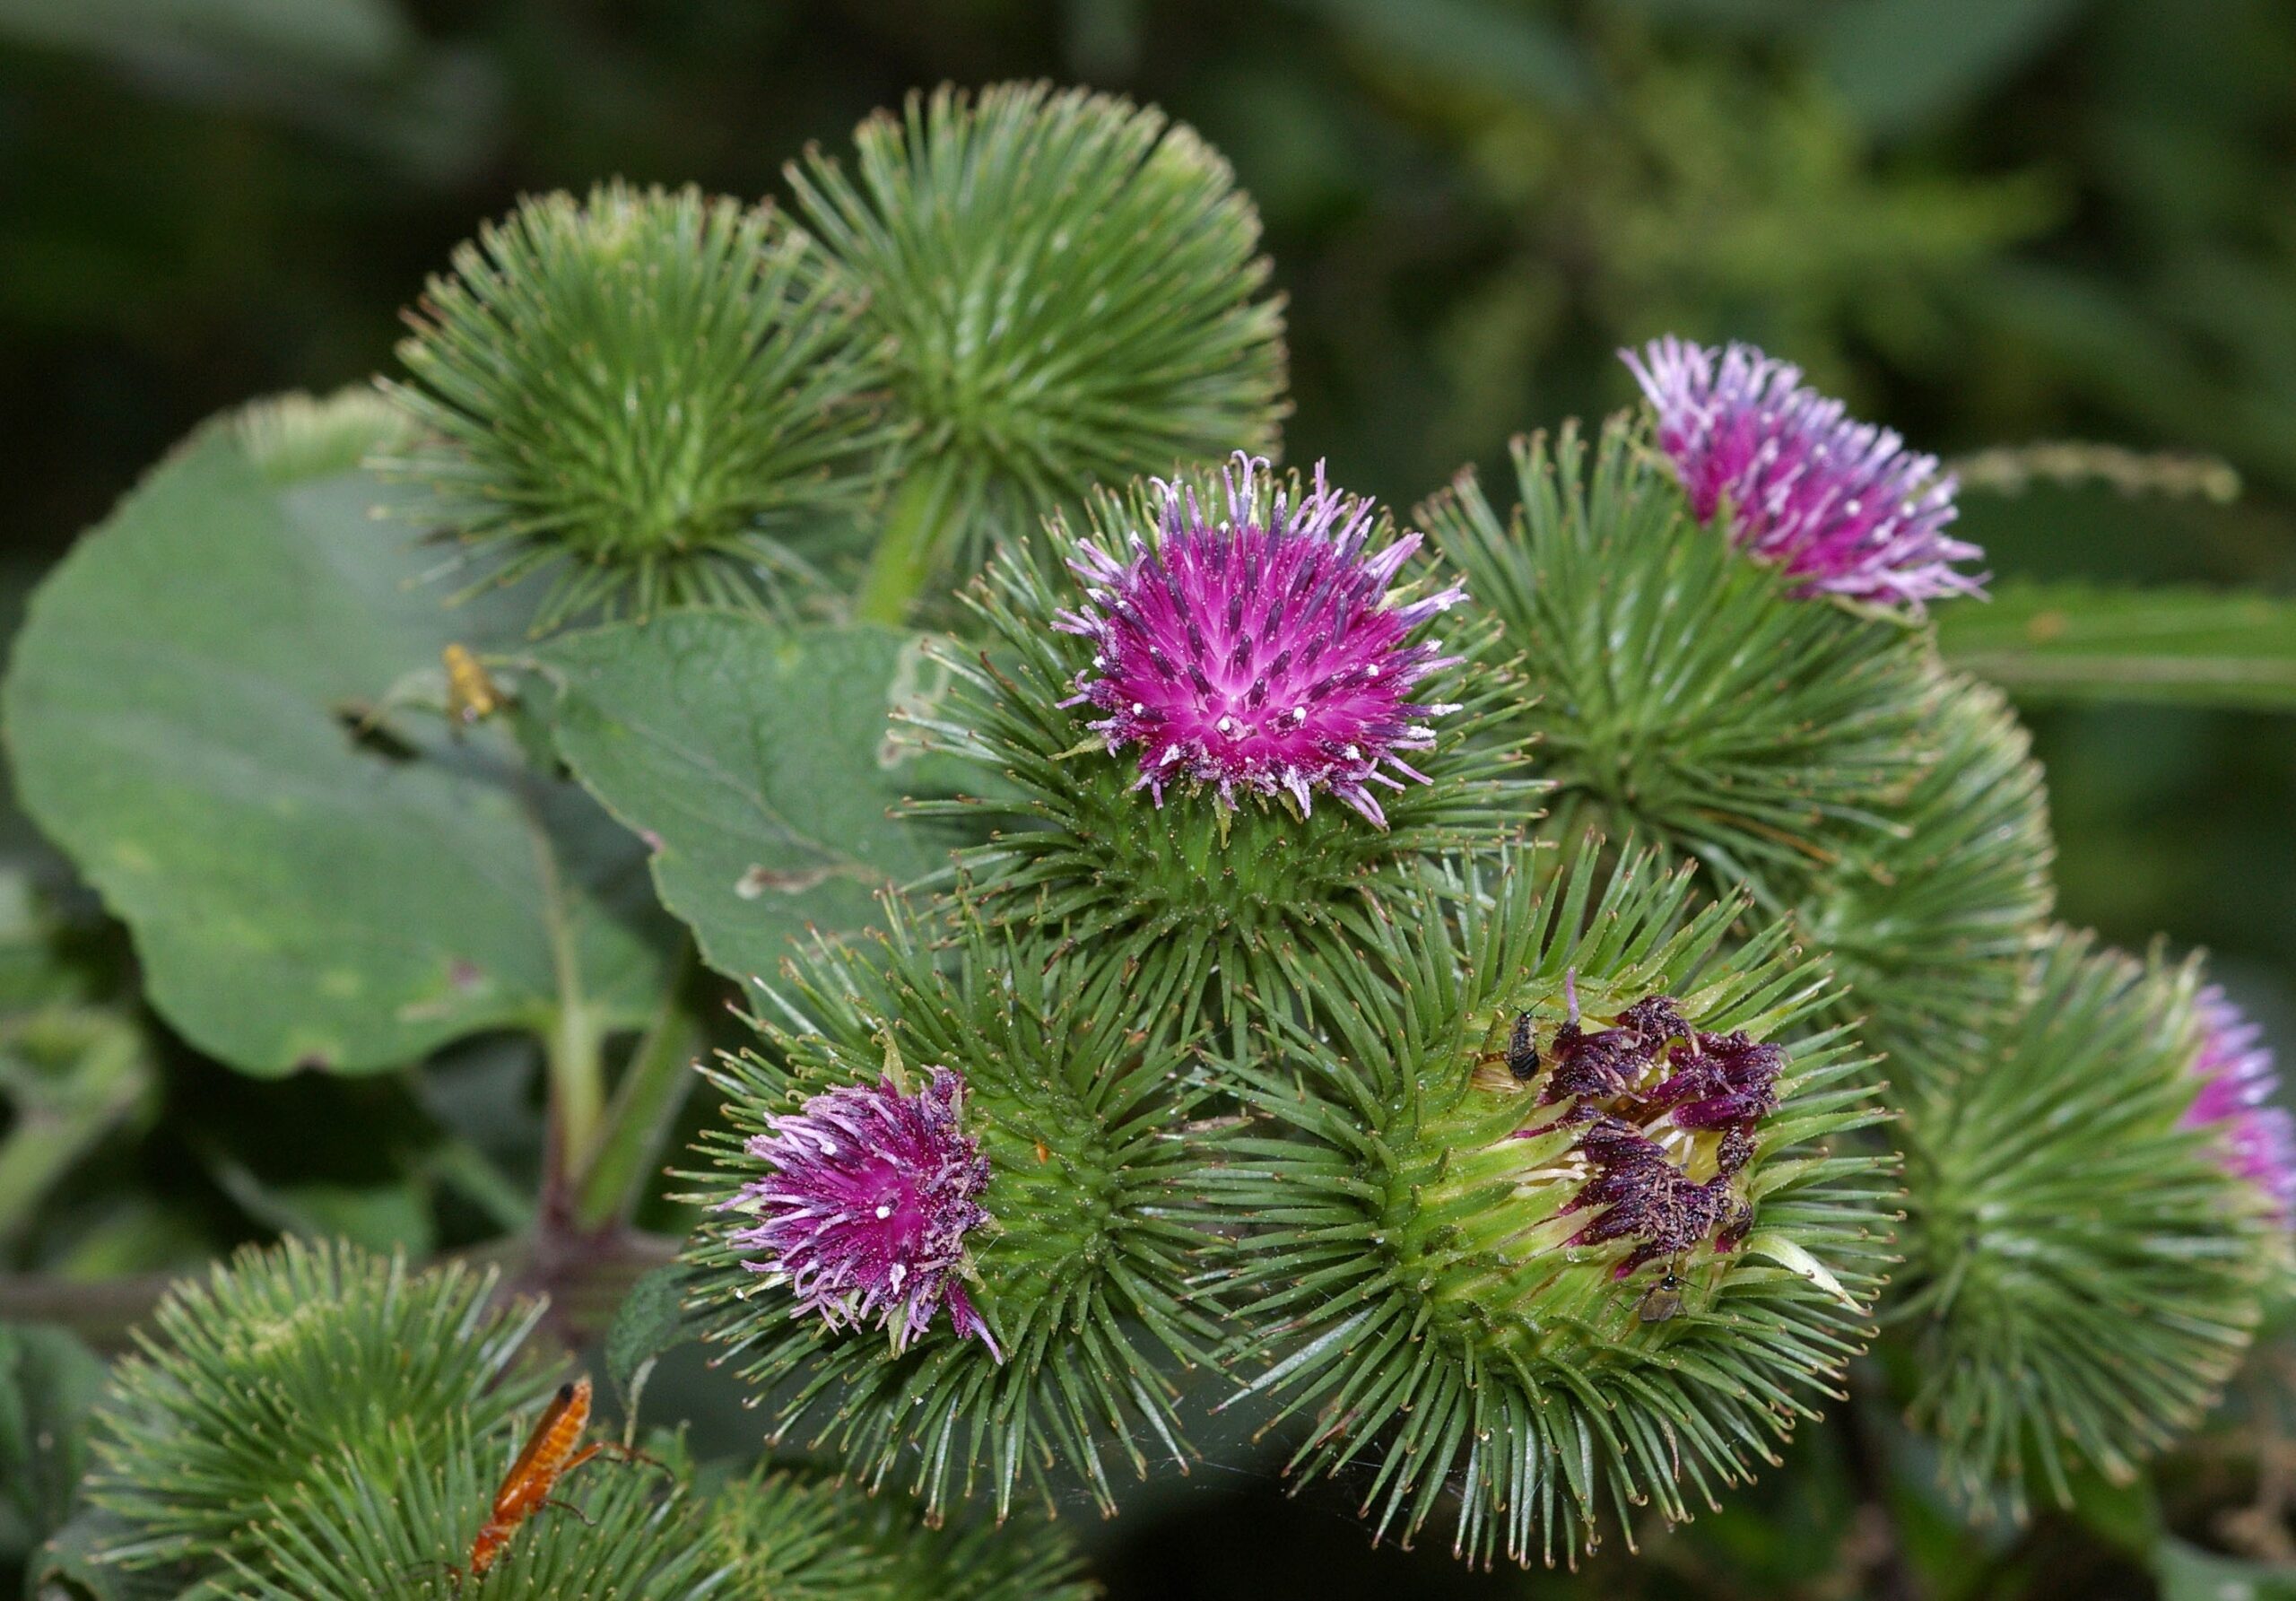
{"x": 1841, "y": 505}
{"x": 2257, "y": 1139}
{"x": 1266, "y": 653}
{"x": 866, "y": 1212}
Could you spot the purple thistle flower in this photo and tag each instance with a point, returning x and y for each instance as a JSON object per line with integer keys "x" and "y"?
{"x": 1269, "y": 656}
{"x": 1841, "y": 505}
{"x": 866, "y": 1212}
{"x": 2258, "y": 1140}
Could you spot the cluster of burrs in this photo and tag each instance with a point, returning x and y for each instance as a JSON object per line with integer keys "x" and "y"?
{"x": 1724, "y": 1084}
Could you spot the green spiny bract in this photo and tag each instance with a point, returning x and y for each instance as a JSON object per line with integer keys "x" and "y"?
{"x": 1930, "y": 922}
{"x": 1192, "y": 894}
{"x": 286, "y": 1361}
{"x": 1415, "y": 1282}
{"x": 1685, "y": 697}
{"x": 1070, "y": 286}
{"x": 793, "y": 1537}
{"x": 392, "y": 1521}
{"x": 640, "y": 393}
{"x": 2085, "y": 1272}
{"x": 1083, "y": 1271}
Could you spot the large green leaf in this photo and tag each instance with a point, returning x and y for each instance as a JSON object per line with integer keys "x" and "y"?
{"x": 183, "y": 713}
{"x": 760, "y": 763}
{"x": 2071, "y": 641}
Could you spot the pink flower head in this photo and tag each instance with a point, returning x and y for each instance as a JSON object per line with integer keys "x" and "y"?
{"x": 1265, "y": 652}
{"x": 867, "y": 1209}
{"x": 2258, "y": 1140}
{"x": 1840, "y": 504}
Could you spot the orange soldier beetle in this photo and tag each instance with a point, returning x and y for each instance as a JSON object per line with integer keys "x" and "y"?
{"x": 552, "y": 1451}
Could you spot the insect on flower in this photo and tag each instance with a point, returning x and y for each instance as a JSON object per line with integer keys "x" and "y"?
{"x": 1523, "y": 1050}
{"x": 1663, "y": 1300}
{"x": 552, "y": 1451}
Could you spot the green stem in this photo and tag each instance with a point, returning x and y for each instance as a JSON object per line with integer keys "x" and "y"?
{"x": 463, "y": 1166}
{"x": 911, "y": 544}
{"x": 646, "y": 1104}
{"x": 578, "y": 1085}
{"x": 572, "y": 1045}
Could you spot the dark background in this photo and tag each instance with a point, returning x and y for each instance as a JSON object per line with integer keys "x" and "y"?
{"x": 1985, "y": 221}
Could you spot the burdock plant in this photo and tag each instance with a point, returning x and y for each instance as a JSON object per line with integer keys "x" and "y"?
{"x": 649, "y": 396}
{"x": 314, "y": 1420}
{"x": 950, "y": 1209}
{"x": 1930, "y": 918}
{"x": 1840, "y": 506}
{"x": 1464, "y": 1003}
{"x": 1221, "y": 718}
{"x": 1702, "y": 609}
{"x": 1070, "y": 290}
{"x": 2097, "y": 1211}
{"x": 398, "y": 1521}
{"x": 869, "y": 1195}
{"x": 1570, "y": 1219}
{"x": 287, "y": 1362}
{"x": 1683, "y": 695}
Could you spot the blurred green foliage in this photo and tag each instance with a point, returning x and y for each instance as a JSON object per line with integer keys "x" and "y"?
{"x": 1987, "y": 221}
